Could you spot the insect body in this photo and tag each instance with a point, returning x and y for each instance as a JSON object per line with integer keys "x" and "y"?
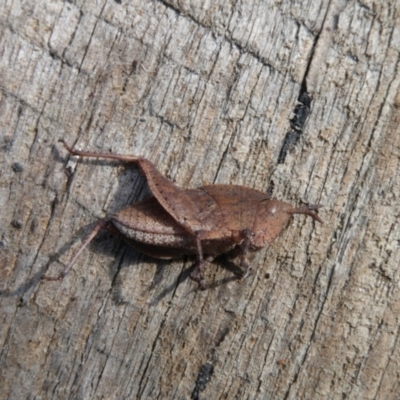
{"x": 206, "y": 222}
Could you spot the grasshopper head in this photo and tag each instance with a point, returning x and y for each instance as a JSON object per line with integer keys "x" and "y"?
{"x": 272, "y": 217}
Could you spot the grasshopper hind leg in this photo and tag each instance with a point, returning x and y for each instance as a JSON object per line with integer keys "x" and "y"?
{"x": 103, "y": 224}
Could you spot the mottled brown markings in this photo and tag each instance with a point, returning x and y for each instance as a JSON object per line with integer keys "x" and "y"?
{"x": 207, "y": 221}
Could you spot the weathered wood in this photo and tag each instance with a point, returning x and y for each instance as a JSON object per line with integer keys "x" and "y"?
{"x": 207, "y": 92}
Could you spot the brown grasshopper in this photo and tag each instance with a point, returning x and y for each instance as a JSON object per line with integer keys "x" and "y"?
{"x": 206, "y": 222}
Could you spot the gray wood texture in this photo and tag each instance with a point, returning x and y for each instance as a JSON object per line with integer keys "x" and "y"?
{"x": 207, "y": 91}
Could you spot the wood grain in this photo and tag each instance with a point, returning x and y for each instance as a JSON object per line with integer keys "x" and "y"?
{"x": 207, "y": 92}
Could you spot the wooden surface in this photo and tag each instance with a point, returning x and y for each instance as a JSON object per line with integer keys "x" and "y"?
{"x": 206, "y": 92}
